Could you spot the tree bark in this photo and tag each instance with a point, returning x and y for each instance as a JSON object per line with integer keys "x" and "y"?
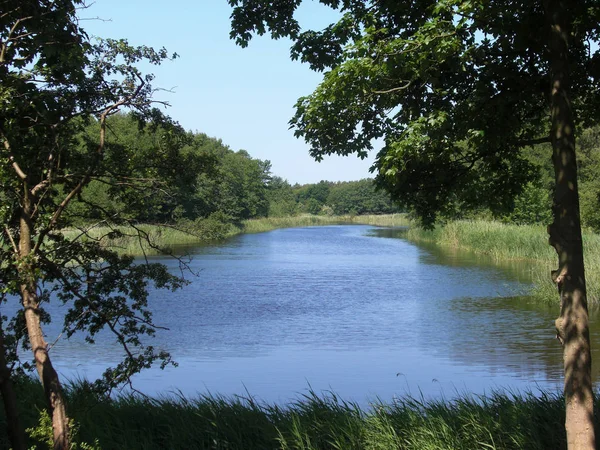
{"x": 9, "y": 399}
{"x": 565, "y": 236}
{"x": 30, "y": 300}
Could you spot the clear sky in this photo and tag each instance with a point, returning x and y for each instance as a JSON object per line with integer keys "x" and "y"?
{"x": 243, "y": 96}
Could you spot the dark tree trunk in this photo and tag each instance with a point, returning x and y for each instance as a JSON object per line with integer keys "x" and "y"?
{"x": 30, "y": 300}
{"x": 565, "y": 236}
{"x": 9, "y": 399}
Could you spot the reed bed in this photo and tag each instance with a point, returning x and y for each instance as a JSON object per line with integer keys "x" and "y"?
{"x": 506, "y": 242}
{"x": 500, "y": 420}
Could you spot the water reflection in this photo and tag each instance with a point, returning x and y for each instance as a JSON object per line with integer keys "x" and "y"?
{"x": 349, "y": 308}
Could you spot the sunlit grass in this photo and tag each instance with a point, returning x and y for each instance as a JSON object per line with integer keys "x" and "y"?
{"x": 500, "y": 420}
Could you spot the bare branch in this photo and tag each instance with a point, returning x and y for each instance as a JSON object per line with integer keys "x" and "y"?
{"x": 9, "y": 37}
{"x": 399, "y": 88}
{"x": 12, "y": 240}
{"x": 532, "y": 142}
{"x": 11, "y": 158}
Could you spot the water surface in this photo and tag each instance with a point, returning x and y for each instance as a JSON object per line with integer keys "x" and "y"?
{"x": 351, "y": 309}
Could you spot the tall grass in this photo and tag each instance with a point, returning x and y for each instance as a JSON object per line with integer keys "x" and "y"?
{"x": 500, "y": 420}
{"x": 506, "y": 242}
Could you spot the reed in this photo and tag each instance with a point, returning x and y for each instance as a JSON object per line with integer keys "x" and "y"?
{"x": 500, "y": 420}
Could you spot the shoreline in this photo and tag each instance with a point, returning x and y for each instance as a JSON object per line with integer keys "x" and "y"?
{"x": 501, "y": 242}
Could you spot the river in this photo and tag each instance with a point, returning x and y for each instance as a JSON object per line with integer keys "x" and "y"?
{"x": 354, "y": 310}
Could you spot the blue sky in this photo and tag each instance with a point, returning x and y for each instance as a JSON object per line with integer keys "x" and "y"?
{"x": 243, "y": 96}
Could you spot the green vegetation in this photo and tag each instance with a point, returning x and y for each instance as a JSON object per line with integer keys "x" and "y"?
{"x": 499, "y": 420}
{"x": 145, "y": 239}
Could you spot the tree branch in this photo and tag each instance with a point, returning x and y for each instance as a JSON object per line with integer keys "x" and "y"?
{"x": 532, "y": 142}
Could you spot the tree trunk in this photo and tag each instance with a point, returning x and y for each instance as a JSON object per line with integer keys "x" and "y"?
{"x": 9, "y": 398}
{"x": 565, "y": 236}
{"x": 30, "y": 300}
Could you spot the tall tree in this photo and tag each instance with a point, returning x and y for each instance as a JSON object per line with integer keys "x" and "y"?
{"x": 457, "y": 89}
{"x": 54, "y": 81}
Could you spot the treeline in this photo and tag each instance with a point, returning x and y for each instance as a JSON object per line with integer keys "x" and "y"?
{"x": 534, "y": 205}
{"x": 328, "y": 198}
{"x": 156, "y": 172}
{"x": 159, "y": 173}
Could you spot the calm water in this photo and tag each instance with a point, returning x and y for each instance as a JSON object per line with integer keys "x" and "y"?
{"x": 352, "y": 309}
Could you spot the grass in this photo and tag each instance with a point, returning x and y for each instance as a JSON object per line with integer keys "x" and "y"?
{"x": 506, "y": 242}
{"x": 500, "y": 420}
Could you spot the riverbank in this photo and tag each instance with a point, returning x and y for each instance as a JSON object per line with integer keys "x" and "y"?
{"x": 501, "y": 242}
{"x": 145, "y": 239}
{"x": 500, "y": 420}
{"x": 506, "y": 242}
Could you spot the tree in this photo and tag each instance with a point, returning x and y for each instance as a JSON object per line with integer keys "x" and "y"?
{"x": 163, "y": 153}
{"x": 282, "y": 201}
{"x": 54, "y": 83}
{"x": 239, "y": 191}
{"x": 457, "y": 89}
{"x": 359, "y": 197}
{"x": 312, "y": 197}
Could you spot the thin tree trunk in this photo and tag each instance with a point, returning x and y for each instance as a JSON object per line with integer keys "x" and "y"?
{"x": 9, "y": 398}
{"x": 565, "y": 236}
{"x": 30, "y": 300}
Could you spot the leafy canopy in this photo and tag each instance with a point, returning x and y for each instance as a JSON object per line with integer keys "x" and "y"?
{"x": 54, "y": 83}
{"x": 454, "y": 88}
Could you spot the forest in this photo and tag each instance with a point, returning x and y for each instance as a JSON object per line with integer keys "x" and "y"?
{"x": 197, "y": 178}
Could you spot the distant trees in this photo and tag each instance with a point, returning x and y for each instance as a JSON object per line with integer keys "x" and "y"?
{"x": 359, "y": 197}
{"x": 327, "y": 197}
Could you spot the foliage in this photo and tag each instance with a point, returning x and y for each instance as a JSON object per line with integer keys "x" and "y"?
{"x": 532, "y": 206}
{"x": 56, "y": 85}
{"x": 281, "y": 198}
{"x": 359, "y": 197}
{"x": 340, "y": 198}
{"x": 42, "y": 434}
{"x": 189, "y": 177}
{"x": 434, "y": 80}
